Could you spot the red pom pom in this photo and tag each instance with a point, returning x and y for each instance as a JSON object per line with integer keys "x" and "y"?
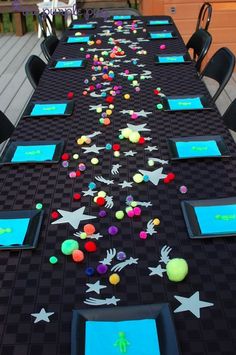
{"x": 101, "y": 201}
{"x": 65, "y": 156}
{"x": 166, "y": 180}
{"x": 171, "y": 176}
{"x": 109, "y": 78}
{"x": 54, "y": 215}
{"x": 141, "y": 140}
{"x": 116, "y": 147}
{"x": 70, "y": 95}
{"x": 90, "y": 247}
{"x": 109, "y": 99}
{"x": 78, "y": 173}
{"x": 156, "y": 92}
{"x": 76, "y": 196}
{"x": 91, "y": 87}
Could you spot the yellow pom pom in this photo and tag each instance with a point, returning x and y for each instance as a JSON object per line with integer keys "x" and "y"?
{"x": 80, "y": 141}
{"x": 116, "y": 154}
{"x": 114, "y": 279}
{"x": 94, "y": 161}
{"x": 127, "y": 96}
{"x": 156, "y": 221}
{"x": 138, "y": 178}
{"x": 102, "y": 194}
{"x": 126, "y": 132}
{"x": 76, "y": 156}
{"x": 134, "y": 137}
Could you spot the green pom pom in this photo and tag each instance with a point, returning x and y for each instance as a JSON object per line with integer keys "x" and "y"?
{"x": 177, "y": 269}
{"x": 53, "y": 260}
{"x": 68, "y": 246}
{"x": 39, "y": 206}
{"x": 159, "y": 106}
{"x": 120, "y": 215}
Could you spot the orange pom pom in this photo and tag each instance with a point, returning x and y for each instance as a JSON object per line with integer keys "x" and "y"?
{"x": 77, "y": 256}
{"x": 89, "y": 229}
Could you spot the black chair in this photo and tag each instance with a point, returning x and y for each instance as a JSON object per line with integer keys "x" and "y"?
{"x": 220, "y": 68}
{"x": 34, "y": 68}
{"x": 46, "y": 25}
{"x": 6, "y": 127}
{"x": 48, "y": 46}
{"x": 200, "y": 43}
{"x": 229, "y": 117}
{"x": 204, "y": 17}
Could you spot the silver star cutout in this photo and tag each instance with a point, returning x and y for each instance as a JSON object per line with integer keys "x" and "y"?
{"x": 138, "y": 128}
{"x": 89, "y": 192}
{"x": 95, "y": 107}
{"x": 154, "y": 176}
{"x": 143, "y": 113}
{"x": 130, "y": 153}
{"x": 96, "y": 287}
{"x": 150, "y": 149}
{"x": 191, "y": 304}
{"x": 157, "y": 271}
{"x": 42, "y": 316}
{"x": 125, "y": 184}
{"x": 92, "y": 149}
{"x": 73, "y": 218}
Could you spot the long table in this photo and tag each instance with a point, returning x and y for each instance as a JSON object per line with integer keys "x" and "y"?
{"x": 29, "y": 282}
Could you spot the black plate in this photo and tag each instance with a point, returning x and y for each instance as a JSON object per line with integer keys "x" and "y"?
{"x": 32, "y": 234}
{"x": 218, "y": 139}
{"x": 191, "y": 220}
{"x": 186, "y": 57}
{"x": 53, "y": 64}
{"x": 71, "y": 27}
{"x": 169, "y": 22}
{"x": 9, "y": 152}
{"x": 203, "y": 99}
{"x": 174, "y": 35}
{"x": 68, "y": 112}
{"x": 65, "y": 39}
{"x": 159, "y": 312}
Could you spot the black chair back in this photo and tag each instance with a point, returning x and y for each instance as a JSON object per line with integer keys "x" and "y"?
{"x": 46, "y": 25}
{"x": 220, "y": 68}
{"x": 49, "y": 45}
{"x": 34, "y": 68}
{"x": 6, "y": 127}
{"x": 229, "y": 117}
{"x": 204, "y": 17}
{"x": 200, "y": 43}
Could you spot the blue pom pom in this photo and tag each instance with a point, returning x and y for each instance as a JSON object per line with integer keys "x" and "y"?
{"x": 108, "y": 146}
{"x": 89, "y": 271}
{"x": 92, "y": 185}
{"x": 145, "y": 178}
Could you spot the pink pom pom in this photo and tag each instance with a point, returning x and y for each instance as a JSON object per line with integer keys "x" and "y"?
{"x": 137, "y": 211}
{"x": 162, "y": 46}
{"x": 143, "y": 235}
{"x": 130, "y": 214}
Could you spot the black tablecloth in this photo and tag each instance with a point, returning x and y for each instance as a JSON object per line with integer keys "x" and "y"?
{"x": 29, "y": 282}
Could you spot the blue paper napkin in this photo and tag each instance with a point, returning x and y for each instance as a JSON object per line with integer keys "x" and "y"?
{"x": 69, "y": 64}
{"x": 33, "y": 153}
{"x": 216, "y": 219}
{"x": 13, "y": 231}
{"x": 48, "y": 109}
{"x": 159, "y": 22}
{"x": 161, "y": 35}
{"x": 122, "y": 17}
{"x": 85, "y": 26}
{"x": 140, "y": 334}
{"x": 78, "y": 39}
{"x": 171, "y": 59}
{"x": 185, "y": 104}
{"x": 198, "y": 149}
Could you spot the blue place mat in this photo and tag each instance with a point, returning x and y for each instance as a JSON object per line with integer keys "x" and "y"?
{"x": 82, "y": 26}
{"x": 159, "y": 22}
{"x": 216, "y": 219}
{"x": 172, "y": 59}
{"x": 78, "y": 39}
{"x": 161, "y": 35}
{"x": 122, "y": 17}
{"x": 185, "y": 104}
{"x": 141, "y": 335}
{"x": 69, "y": 64}
{"x": 198, "y": 148}
{"x": 33, "y": 153}
{"x": 13, "y": 231}
{"x": 48, "y": 109}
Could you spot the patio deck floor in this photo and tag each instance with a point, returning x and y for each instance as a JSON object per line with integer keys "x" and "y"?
{"x": 16, "y": 91}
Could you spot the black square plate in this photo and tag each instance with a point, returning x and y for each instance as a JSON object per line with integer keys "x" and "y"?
{"x": 172, "y": 58}
{"x": 159, "y": 22}
{"x": 218, "y": 139}
{"x": 204, "y": 101}
{"x": 9, "y": 152}
{"x": 67, "y": 64}
{"x": 75, "y": 38}
{"x": 67, "y": 112}
{"x": 161, "y": 35}
{"x": 82, "y": 26}
{"x": 192, "y": 223}
{"x": 159, "y": 312}
{"x": 32, "y": 232}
